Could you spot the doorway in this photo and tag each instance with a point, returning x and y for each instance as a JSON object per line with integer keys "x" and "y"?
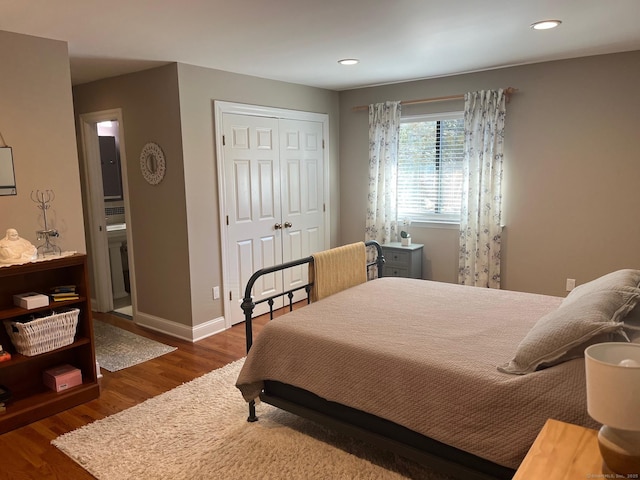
{"x": 273, "y": 175}
{"x": 106, "y": 201}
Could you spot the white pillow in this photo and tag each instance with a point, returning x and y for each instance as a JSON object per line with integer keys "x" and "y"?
{"x": 611, "y": 281}
{"x": 592, "y": 315}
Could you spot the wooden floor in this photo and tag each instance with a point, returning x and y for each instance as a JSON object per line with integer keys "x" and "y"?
{"x": 27, "y": 453}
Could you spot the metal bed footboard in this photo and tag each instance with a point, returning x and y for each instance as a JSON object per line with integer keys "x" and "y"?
{"x": 248, "y": 305}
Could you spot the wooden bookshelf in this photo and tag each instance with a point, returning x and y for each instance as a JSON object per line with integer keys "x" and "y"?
{"x": 22, "y": 375}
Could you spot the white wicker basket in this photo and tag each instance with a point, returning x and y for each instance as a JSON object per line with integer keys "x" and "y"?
{"x": 44, "y": 334}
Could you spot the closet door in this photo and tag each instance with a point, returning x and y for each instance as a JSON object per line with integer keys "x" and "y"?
{"x": 302, "y": 193}
{"x": 273, "y": 186}
{"x": 252, "y": 196}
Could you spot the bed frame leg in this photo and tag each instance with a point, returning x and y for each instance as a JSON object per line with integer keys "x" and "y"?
{"x": 252, "y": 412}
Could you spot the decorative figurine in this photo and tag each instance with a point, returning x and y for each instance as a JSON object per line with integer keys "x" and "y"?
{"x": 14, "y": 249}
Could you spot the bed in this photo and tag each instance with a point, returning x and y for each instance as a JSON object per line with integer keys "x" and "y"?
{"x": 432, "y": 370}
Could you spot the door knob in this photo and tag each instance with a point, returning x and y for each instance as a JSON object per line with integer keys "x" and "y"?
{"x": 287, "y": 225}
{"x": 277, "y": 226}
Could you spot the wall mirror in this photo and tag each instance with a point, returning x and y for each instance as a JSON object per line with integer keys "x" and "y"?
{"x": 7, "y": 176}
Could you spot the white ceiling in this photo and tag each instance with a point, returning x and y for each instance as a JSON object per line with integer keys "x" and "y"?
{"x": 300, "y": 41}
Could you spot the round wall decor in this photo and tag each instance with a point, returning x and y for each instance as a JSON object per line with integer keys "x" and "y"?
{"x": 152, "y": 163}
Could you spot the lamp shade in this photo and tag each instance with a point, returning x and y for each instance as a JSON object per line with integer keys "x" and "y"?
{"x": 613, "y": 384}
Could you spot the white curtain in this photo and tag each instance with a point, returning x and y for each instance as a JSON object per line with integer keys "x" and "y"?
{"x": 384, "y": 135}
{"x": 480, "y": 222}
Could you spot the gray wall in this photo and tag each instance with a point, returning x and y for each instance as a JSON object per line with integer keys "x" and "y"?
{"x": 199, "y": 88}
{"x": 151, "y": 113}
{"x": 571, "y": 175}
{"x": 572, "y": 169}
{"x": 175, "y": 224}
{"x": 36, "y": 119}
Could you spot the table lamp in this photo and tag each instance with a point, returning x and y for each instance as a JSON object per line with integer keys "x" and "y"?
{"x": 613, "y": 399}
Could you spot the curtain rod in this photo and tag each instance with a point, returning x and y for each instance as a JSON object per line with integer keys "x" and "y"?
{"x": 508, "y": 92}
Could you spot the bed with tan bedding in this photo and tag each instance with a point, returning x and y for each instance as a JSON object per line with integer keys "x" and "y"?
{"x": 449, "y": 365}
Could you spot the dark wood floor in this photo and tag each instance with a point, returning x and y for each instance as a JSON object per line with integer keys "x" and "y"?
{"x": 27, "y": 453}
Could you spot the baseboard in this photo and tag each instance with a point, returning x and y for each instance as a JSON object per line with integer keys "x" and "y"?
{"x": 178, "y": 330}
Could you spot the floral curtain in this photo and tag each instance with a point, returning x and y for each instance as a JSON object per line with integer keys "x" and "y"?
{"x": 480, "y": 222}
{"x": 384, "y": 136}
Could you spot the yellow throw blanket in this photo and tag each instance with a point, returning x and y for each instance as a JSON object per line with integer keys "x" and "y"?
{"x": 336, "y": 269}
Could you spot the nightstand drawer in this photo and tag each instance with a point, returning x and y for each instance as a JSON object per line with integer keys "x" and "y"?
{"x": 394, "y": 257}
{"x": 393, "y": 271}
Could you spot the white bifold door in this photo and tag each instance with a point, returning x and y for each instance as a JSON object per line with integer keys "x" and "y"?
{"x": 273, "y": 171}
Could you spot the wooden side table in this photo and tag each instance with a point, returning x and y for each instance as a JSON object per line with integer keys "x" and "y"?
{"x": 563, "y": 451}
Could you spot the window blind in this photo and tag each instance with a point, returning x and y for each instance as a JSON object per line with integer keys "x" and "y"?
{"x": 430, "y": 162}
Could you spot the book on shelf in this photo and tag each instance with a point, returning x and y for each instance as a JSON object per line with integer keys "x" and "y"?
{"x": 64, "y": 289}
{"x": 64, "y": 297}
{"x": 63, "y": 293}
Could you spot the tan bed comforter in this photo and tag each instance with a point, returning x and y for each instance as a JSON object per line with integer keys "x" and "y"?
{"x": 424, "y": 354}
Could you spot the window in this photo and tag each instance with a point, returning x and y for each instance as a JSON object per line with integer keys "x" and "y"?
{"x": 430, "y": 167}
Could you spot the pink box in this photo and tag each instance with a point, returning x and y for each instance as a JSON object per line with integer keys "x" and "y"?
{"x": 62, "y": 377}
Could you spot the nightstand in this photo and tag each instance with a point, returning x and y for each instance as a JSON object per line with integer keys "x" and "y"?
{"x": 402, "y": 261}
{"x": 563, "y": 451}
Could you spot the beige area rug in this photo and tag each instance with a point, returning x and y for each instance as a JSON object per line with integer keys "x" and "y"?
{"x": 117, "y": 348}
{"x": 199, "y": 431}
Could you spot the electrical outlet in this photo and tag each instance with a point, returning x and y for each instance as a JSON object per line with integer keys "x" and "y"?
{"x": 216, "y": 293}
{"x": 571, "y": 284}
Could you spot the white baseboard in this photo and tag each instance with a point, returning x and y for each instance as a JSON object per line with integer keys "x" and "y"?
{"x": 178, "y": 330}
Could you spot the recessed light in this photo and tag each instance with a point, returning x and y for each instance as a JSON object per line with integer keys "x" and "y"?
{"x": 348, "y": 61}
{"x": 545, "y": 24}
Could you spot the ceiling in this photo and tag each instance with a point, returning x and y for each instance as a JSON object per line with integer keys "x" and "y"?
{"x": 300, "y": 41}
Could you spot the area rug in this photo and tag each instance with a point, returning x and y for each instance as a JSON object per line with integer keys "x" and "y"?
{"x": 199, "y": 431}
{"x": 117, "y": 348}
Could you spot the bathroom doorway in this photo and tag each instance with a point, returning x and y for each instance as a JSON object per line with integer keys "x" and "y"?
{"x": 106, "y": 201}
{"x": 114, "y": 211}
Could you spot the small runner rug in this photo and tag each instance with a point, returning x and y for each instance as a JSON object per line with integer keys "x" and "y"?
{"x": 199, "y": 431}
{"x": 117, "y": 348}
